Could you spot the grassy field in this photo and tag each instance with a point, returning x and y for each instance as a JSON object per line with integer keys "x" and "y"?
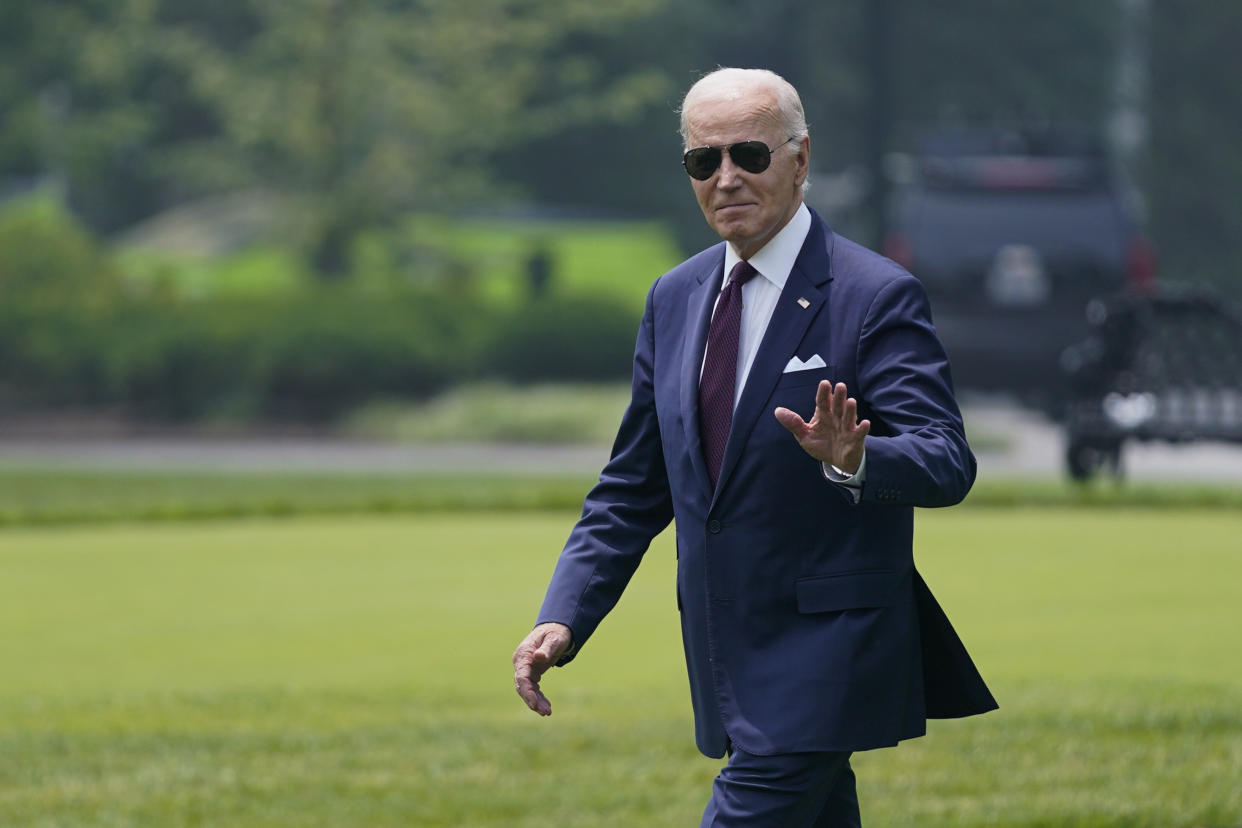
{"x": 55, "y": 496}
{"x": 52, "y": 497}
{"x": 355, "y": 671}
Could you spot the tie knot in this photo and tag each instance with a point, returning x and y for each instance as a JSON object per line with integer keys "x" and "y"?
{"x": 742, "y": 273}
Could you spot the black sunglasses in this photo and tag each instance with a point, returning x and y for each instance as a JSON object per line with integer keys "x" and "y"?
{"x": 752, "y": 156}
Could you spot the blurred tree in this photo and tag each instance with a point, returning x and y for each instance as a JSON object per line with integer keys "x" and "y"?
{"x": 368, "y": 109}
{"x": 629, "y": 161}
{"x": 93, "y": 99}
{"x": 360, "y": 110}
{"x": 1195, "y": 172}
{"x": 964, "y": 61}
{"x": 357, "y": 110}
{"x": 983, "y": 61}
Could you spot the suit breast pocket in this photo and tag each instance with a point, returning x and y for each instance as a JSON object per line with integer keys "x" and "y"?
{"x": 813, "y": 376}
{"x": 796, "y": 389}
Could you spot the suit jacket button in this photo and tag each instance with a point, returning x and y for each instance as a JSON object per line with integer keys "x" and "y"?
{"x": 713, "y": 526}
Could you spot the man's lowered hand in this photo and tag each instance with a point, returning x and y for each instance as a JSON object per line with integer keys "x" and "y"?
{"x": 541, "y": 649}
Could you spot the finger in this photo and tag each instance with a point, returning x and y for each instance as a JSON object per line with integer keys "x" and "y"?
{"x": 791, "y": 420}
{"x": 524, "y": 672}
{"x": 840, "y": 396}
{"x": 823, "y": 397}
{"x": 521, "y": 655}
{"x": 863, "y": 428}
{"x": 830, "y": 400}
{"x": 849, "y": 412}
{"x": 526, "y": 682}
{"x": 533, "y": 667}
{"x": 529, "y": 690}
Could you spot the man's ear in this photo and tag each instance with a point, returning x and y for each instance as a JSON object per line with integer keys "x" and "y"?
{"x": 804, "y": 160}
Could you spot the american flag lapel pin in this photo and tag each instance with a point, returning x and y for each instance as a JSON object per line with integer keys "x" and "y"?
{"x": 804, "y": 302}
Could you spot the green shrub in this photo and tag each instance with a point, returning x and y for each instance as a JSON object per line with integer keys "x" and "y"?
{"x": 335, "y": 354}
{"x": 308, "y": 357}
{"x": 180, "y": 342}
{"x": 183, "y": 362}
{"x": 49, "y": 260}
{"x": 312, "y": 355}
{"x": 561, "y": 340}
{"x": 57, "y": 285}
{"x": 55, "y": 358}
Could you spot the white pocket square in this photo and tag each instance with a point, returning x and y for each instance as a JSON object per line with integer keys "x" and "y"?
{"x": 796, "y": 364}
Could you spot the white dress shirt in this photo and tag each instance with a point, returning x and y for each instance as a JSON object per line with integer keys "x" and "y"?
{"x": 773, "y": 261}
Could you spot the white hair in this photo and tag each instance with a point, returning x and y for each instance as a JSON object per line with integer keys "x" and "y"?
{"x": 731, "y": 83}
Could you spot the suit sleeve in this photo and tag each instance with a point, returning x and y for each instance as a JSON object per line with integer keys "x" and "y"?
{"x": 623, "y": 512}
{"x": 917, "y": 453}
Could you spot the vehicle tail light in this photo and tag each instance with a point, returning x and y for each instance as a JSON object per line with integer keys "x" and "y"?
{"x": 1141, "y": 266}
{"x": 897, "y": 247}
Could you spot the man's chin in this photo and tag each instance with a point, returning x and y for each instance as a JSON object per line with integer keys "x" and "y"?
{"x": 734, "y": 231}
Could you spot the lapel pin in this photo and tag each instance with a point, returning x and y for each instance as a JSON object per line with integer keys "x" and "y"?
{"x": 804, "y": 302}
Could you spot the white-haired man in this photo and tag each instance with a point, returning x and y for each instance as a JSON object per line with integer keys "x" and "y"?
{"x": 791, "y": 404}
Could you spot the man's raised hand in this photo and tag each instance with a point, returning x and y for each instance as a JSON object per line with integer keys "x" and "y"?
{"x": 539, "y": 650}
{"x": 835, "y": 434}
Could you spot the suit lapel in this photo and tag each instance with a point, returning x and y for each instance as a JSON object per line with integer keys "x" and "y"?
{"x": 789, "y": 324}
{"x": 698, "y": 318}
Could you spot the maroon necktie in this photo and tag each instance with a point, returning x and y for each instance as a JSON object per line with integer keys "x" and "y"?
{"x": 716, "y": 385}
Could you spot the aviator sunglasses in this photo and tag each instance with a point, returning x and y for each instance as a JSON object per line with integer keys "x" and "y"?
{"x": 752, "y": 156}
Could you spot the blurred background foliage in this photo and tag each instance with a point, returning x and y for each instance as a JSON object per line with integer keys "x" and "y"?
{"x": 258, "y": 210}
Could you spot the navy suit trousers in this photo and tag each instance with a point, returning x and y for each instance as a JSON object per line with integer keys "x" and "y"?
{"x": 790, "y": 790}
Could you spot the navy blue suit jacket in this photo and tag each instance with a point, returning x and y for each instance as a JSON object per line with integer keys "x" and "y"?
{"x": 805, "y": 624}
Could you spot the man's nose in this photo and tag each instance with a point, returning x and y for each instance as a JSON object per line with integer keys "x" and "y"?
{"x": 729, "y": 173}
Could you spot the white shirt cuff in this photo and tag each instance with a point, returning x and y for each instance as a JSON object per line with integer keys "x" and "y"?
{"x": 853, "y": 482}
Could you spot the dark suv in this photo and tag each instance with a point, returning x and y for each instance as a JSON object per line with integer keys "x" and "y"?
{"x": 1013, "y": 233}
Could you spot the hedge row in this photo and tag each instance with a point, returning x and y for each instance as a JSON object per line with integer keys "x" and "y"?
{"x": 310, "y": 357}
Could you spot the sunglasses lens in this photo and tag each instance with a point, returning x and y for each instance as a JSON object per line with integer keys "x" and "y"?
{"x": 752, "y": 156}
{"x": 701, "y": 162}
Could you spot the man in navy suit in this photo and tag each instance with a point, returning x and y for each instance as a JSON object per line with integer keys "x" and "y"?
{"x": 791, "y": 404}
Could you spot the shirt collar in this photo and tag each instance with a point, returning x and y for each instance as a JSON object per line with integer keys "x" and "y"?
{"x": 775, "y": 260}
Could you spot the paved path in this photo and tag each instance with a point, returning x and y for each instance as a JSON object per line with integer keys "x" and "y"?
{"x": 1014, "y": 443}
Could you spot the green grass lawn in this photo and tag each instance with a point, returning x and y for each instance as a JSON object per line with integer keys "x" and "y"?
{"x": 355, "y": 671}
{"x": 51, "y": 495}
{"x": 616, "y": 259}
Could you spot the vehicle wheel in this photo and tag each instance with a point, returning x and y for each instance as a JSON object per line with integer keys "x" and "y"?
{"x": 1084, "y": 458}
{"x": 1112, "y": 456}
